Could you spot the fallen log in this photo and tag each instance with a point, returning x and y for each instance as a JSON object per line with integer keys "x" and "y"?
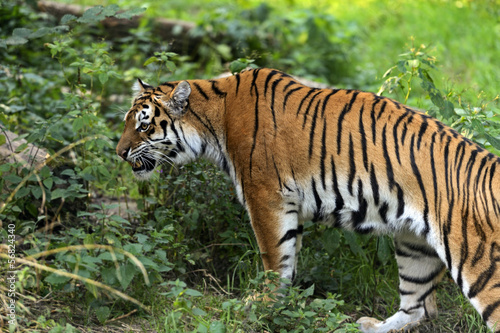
{"x": 176, "y": 33}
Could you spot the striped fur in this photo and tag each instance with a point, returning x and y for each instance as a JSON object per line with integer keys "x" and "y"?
{"x": 347, "y": 158}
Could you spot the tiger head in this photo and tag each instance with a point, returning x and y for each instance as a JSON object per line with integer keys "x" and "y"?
{"x": 151, "y": 135}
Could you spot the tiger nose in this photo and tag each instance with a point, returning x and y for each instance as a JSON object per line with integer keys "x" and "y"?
{"x": 123, "y": 153}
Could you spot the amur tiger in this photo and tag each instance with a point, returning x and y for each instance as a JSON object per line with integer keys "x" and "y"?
{"x": 347, "y": 158}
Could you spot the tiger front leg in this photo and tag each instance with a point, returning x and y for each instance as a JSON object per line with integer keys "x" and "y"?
{"x": 279, "y": 235}
{"x": 420, "y": 270}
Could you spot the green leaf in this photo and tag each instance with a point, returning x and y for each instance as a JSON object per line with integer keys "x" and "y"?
{"x": 68, "y": 18}
{"x": 135, "y": 249}
{"x": 128, "y": 14}
{"x": 102, "y": 313}
{"x": 12, "y": 179}
{"x": 199, "y": 312}
{"x": 217, "y": 327}
{"x": 56, "y": 279}
{"x": 59, "y": 193}
{"x": 192, "y": 292}
{"x": 109, "y": 275}
{"x": 127, "y": 272}
{"x": 2, "y": 139}
{"x": 23, "y": 191}
{"x": 150, "y": 61}
{"x": 103, "y": 78}
{"x": 331, "y": 240}
{"x": 41, "y": 32}
{"x": 202, "y": 328}
{"x": 48, "y": 183}
{"x": 353, "y": 241}
{"x": 141, "y": 238}
{"x": 22, "y": 32}
{"x": 37, "y": 192}
{"x": 16, "y": 40}
{"x": 308, "y": 292}
{"x": 77, "y": 124}
{"x": 494, "y": 141}
{"x": 384, "y": 252}
{"x": 91, "y": 15}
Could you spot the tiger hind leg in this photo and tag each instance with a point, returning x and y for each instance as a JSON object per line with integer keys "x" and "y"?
{"x": 420, "y": 270}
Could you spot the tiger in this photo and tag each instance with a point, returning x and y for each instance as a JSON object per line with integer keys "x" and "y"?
{"x": 343, "y": 157}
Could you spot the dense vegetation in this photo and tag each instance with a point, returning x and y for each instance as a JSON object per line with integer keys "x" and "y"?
{"x": 98, "y": 251}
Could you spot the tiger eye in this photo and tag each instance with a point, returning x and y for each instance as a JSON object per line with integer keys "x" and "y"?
{"x": 144, "y": 126}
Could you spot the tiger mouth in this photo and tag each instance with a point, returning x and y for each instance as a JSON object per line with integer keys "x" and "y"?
{"x": 144, "y": 164}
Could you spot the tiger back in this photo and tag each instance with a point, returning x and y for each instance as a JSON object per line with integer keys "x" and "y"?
{"x": 346, "y": 158}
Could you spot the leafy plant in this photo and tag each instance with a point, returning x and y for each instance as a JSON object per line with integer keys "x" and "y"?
{"x": 480, "y": 122}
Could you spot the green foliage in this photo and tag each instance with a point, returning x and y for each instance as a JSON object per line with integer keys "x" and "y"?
{"x": 480, "y": 122}
{"x": 280, "y": 39}
{"x": 293, "y": 311}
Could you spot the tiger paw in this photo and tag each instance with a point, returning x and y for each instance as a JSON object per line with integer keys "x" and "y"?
{"x": 399, "y": 322}
{"x": 368, "y": 325}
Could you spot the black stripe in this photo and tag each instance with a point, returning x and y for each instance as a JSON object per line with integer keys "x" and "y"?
{"x": 417, "y": 174}
{"x": 401, "y": 201}
{"x": 237, "y": 83}
{"x": 255, "y": 75}
{"x": 421, "y": 249}
{"x": 395, "y": 135}
{"x": 268, "y": 79}
{"x": 427, "y": 293}
{"x": 374, "y": 122}
{"x": 311, "y": 90}
{"x": 339, "y": 201}
{"x": 489, "y": 310}
{"x": 410, "y": 309}
{"x": 382, "y": 211}
{"x": 198, "y": 88}
{"x": 374, "y": 185}
{"x": 172, "y": 127}
{"x": 421, "y": 280}
{"x": 277, "y": 172}
{"x": 288, "y": 94}
{"x": 405, "y": 129}
{"x": 311, "y": 133}
{"x": 388, "y": 164}
{"x": 317, "y": 199}
{"x": 364, "y": 148}
{"x": 464, "y": 249}
{"x": 290, "y": 234}
{"x": 256, "y": 127}
{"x": 382, "y": 110}
{"x": 325, "y": 101}
{"x": 273, "y": 94}
{"x": 434, "y": 175}
{"x": 359, "y": 216}
{"x": 423, "y": 128}
{"x": 216, "y": 90}
{"x": 289, "y": 84}
{"x": 223, "y": 163}
{"x": 352, "y": 165}
{"x": 347, "y": 108}
{"x": 405, "y": 292}
{"x": 323, "y": 155}
{"x": 487, "y": 274}
{"x": 309, "y": 107}
{"x": 285, "y": 258}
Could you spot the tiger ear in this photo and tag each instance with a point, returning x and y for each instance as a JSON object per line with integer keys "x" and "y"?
{"x": 179, "y": 99}
{"x": 140, "y": 86}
